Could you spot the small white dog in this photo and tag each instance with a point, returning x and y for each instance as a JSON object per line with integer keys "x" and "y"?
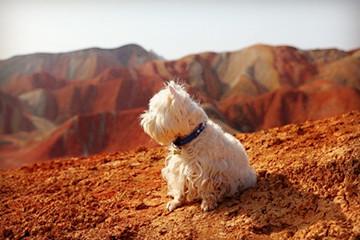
{"x": 204, "y": 162}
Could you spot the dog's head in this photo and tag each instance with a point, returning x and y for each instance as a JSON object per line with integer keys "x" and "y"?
{"x": 171, "y": 114}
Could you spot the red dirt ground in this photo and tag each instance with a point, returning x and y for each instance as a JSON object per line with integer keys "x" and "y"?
{"x": 308, "y": 188}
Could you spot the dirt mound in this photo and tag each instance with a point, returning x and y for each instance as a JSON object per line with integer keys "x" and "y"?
{"x": 308, "y": 188}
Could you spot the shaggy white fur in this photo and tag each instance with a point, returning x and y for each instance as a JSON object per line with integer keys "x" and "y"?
{"x": 212, "y": 166}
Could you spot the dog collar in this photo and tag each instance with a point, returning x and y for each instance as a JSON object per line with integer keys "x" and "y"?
{"x": 185, "y": 140}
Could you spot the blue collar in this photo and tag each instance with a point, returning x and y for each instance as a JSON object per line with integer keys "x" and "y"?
{"x": 185, "y": 140}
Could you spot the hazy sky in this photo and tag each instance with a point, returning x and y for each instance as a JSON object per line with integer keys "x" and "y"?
{"x": 175, "y": 28}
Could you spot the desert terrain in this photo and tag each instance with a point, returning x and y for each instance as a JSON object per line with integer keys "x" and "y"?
{"x": 75, "y": 163}
{"x": 88, "y": 101}
{"x": 308, "y": 188}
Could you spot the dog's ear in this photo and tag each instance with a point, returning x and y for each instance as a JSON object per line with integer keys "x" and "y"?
{"x": 173, "y": 90}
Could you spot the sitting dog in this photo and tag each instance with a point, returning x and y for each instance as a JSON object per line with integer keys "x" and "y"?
{"x": 204, "y": 162}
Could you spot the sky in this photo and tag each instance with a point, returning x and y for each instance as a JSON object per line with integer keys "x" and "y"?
{"x": 173, "y": 29}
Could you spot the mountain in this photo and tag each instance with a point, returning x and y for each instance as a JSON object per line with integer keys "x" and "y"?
{"x": 258, "y": 87}
{"x": 308, "y": 188}
{"x": 216, "y": 79}
{"x": 76, "y": 65}
{"x": 12, "y": 115}
{"x": 83, "y": 135}
{"x": 259, "y": 69}
{"x": 263, "y": 86}
{"x": 26, "y": 83}
{"x": 40, "y": 103}
{"x": 314, "y": 100}
{"x": 95, "y": 96}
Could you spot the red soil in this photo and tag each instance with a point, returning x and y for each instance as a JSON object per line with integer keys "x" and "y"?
{"x": 308, "y": 188}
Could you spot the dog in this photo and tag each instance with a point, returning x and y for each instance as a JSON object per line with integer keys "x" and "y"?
{"x": 204, "y": 163}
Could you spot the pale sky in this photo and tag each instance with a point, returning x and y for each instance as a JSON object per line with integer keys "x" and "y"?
{"x": 175, "y": 28}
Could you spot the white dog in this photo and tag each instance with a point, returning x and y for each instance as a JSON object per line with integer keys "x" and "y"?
{"x": 204, "y": 162}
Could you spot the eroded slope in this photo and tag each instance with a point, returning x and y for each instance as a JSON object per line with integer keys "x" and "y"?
{"x": 308, "y": 187}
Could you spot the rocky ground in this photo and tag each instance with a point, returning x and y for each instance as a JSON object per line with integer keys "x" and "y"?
{"x": 308, "y": 188}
